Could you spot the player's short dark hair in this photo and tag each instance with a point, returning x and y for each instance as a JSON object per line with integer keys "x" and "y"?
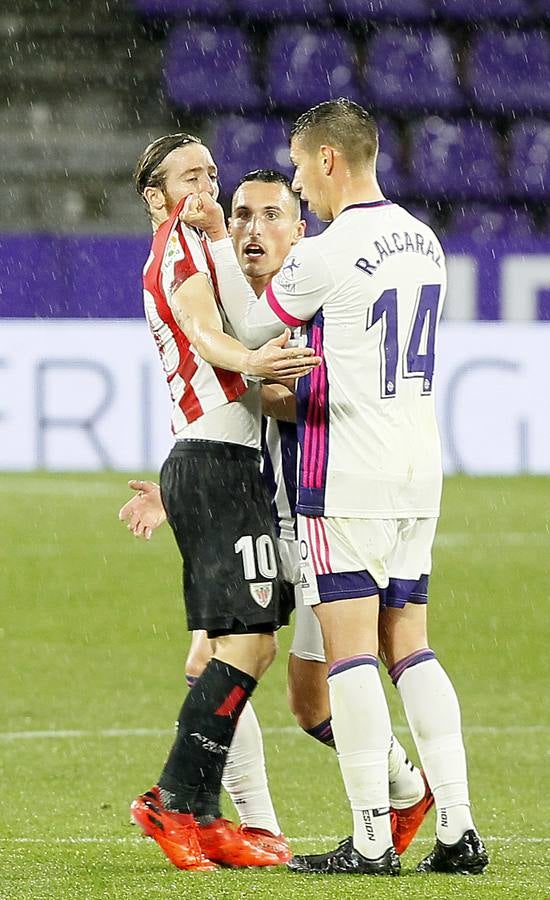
{"x": 342, "y": 124}
{"x": 271, "y": 176}
{"x": 146, "y": 173}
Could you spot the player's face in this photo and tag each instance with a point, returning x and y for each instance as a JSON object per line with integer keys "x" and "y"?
{"x": 264, "y": 225}
{"x": 188, "y": 170}
{"x": 309, "y": 179}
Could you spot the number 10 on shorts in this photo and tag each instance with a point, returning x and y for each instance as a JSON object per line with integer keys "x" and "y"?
{"x": 258, "y": 556}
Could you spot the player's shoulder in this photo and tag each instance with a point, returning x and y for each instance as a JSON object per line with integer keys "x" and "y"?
{"x": 413, "y": 223}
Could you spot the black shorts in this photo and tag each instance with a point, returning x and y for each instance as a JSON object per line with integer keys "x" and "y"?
{"x": 219, "y": 509}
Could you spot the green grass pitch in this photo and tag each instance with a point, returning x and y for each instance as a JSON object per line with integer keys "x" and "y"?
{"x": 92, "y": 646}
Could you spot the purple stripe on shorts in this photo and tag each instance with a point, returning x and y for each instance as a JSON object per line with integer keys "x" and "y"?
{"x": 419, "y": 656}
{"x": 401, "y": 591}
{"x": 346, "y": 586}
{"x": 351, "y": 662}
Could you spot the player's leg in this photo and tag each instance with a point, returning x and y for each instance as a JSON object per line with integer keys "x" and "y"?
{"x": 307, "y": 674}
{"x": 240, "y": 616}
{"x": 244, "y": 776}
{"x": 430, "y": 702}
{"x": 345, "y": 599}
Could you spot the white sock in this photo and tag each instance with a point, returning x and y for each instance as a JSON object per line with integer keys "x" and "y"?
{"x": 433, "y": 714}
{"x": 245, "y": 777}
{"x": 406, "y": 783}
{"x": 362, "y": 733}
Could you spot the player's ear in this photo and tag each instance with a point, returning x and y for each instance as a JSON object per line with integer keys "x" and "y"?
{"x": 327, "y": 159}
{"x": 299, "y": 231}
{"x": 154, "y": 197}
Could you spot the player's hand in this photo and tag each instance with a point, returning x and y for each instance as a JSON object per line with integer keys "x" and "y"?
{"x": 273, "y": 360}
{"x": 202, "y": 211}
{"x": 144, "y": 512}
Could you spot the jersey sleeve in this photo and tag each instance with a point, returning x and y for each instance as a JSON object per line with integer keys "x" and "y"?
{"x": 302, "y": 285}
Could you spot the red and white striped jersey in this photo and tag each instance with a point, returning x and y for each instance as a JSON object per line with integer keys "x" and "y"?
{"x": 196, "y": 387}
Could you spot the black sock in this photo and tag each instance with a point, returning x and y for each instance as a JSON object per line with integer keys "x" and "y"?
{"x": 192, "y": 776}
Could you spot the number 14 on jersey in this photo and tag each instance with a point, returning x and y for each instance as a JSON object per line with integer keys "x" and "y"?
{"x": 418, "y": 356}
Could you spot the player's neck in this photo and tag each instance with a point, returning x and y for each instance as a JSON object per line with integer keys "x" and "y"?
{"x": 260, "y": 283}
{"x": 363, "y": 189}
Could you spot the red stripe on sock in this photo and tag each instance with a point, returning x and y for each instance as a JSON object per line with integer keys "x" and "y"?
{"x": 231, "y": 702}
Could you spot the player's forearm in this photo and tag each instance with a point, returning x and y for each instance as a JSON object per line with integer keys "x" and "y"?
{"x": 278, "y": 402}
{"x": 221, "y": 350}
{"x": 249, "y": 321}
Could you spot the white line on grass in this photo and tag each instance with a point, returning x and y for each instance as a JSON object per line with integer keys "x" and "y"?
{"x": 283, "y": 729}
{"x": 135, "y": 839}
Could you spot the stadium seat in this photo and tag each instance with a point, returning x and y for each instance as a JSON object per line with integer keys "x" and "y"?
{"x": 510, "y": 71}
{"x": 282, "y": 9}
{"x": 209, "y": 69}
{"x": 306, "y": 66}
{"x": 391, "y": 174}
{"x": 483, "y": 224}
{"x": 411, "y": 70}
{"x": 182, "y": 8}
{"x": 404, "y": 10}
{"x": 474, "y": 10}
{"x": 455, "y": 159}
{"x": 242, "y": 144}
{"x": 529, "y": 168}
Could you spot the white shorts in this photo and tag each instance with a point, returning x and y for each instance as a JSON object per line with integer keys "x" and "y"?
{"x": 346, "y": 558}
{"x": 307, "y": 642}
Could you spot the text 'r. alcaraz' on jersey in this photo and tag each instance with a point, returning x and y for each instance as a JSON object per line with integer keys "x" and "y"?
{"x": 398, "y": 242}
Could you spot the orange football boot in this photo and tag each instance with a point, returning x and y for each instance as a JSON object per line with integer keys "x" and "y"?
{"x": 222, "y": 842}
{"x": 406, "y": 822}
{"x": 175, "y": 833}
{"x": 273, "y": 843}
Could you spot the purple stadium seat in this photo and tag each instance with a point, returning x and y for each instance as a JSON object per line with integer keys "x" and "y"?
{"x": 412, "y": 70}
{"x": 485, "y": 223}
{"x": 422, "y": 212}
{"x": 209, "y": 69}
{"x": 455, "y": 159}
{"x": 281, "y": 9}
{"x": 391, "y": 176}
{"x": 242, "y": 144}
{"x": 306, "y": 66}
{"x": 404, "y": 10}
{"x": 510, "y": 71}
{"x": 529, "y": 144}
{"x": 477, "y": 10}
{"x": 182, "y": 8}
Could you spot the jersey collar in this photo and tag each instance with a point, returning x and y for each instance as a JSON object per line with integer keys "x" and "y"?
{"x": 371, "y": 205}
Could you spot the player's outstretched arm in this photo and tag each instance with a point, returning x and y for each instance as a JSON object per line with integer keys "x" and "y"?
{"x": 144, "y": 512}
{"x": 279, "y": 402}
{"x": 198, "y": 316}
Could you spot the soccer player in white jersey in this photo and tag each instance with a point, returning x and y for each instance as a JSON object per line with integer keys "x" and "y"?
{"x": 217, "y": 506}
{"x": 265, "y": 223}
{"x": 369, "y": 292}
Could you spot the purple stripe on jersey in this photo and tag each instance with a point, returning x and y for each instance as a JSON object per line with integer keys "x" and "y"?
{"x": 419, "y": 656}
{"x": 346, "y": 586}
{"x": 313, "y": 416}
{"x": 401, "y": 591}
{"x": 373, "y": 205}
{"x": 351, "y": 662}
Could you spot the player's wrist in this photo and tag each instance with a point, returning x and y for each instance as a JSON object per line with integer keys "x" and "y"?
{"x": 217, "y": 232}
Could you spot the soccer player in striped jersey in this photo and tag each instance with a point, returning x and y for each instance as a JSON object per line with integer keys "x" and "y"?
{"x": 369, "y": 293}
{"x": 217, "y": 506}
{"x": 265, "y": 224}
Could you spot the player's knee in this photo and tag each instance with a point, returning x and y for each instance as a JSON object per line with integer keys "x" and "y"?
{"x": 252, "y": 653}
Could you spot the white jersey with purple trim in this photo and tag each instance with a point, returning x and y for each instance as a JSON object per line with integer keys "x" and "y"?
{"x": 369, "y": 290}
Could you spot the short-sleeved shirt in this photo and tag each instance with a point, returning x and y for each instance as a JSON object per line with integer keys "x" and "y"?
{"x": 368, "y": 292}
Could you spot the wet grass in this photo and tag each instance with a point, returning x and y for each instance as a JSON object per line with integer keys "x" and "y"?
{"x": 92, "y": 641}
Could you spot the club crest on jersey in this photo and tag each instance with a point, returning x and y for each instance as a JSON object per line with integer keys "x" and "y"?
{"x": 261, "y": 592}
